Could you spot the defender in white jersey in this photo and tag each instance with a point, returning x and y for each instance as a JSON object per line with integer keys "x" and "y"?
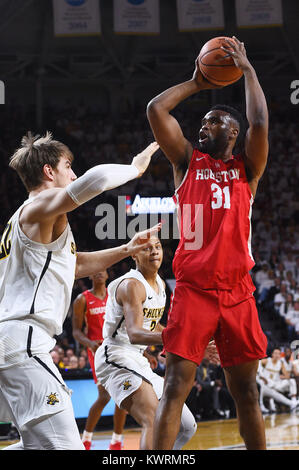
{"x": 136, "y": 302}
{"x": 38, "y": 265}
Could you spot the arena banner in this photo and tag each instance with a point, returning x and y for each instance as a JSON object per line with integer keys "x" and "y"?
{"x": 196, "y": 15}
{"x": 76, "y": 17}
{"x": 137, "y": 16}
{"x": 258, "y": 13}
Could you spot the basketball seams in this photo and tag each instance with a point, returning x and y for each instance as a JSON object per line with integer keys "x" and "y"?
{"x": 214, "y": 65}
{"x": 222, "y": 81}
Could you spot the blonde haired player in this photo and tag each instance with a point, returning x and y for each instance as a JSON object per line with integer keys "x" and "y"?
{"x": 38, "y": 265}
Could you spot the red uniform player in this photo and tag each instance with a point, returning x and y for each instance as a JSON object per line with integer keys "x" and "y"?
{"x": 94, "y": 321}
{"x": 213, "y": 297}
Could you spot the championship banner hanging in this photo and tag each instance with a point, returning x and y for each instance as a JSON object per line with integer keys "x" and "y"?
{"x": 76, "y": 17}
{"x": 196, "y": 15}
{"x": 259, "y": 13}
{"x": 137, "y": 16}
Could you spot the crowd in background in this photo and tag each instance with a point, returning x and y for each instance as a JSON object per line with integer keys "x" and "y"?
{"x": 96, "y": 137}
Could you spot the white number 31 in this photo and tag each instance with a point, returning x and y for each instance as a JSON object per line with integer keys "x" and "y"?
{"x": 218, "y": 194}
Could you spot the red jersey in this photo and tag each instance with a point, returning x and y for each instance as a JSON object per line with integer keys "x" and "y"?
{"x": 214, "y": 205}
{"x": 95, "y": 315}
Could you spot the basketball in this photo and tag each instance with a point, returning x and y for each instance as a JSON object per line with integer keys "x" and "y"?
{"x": 216, "y": 65}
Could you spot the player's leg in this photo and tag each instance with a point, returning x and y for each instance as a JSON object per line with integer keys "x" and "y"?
{"x": 142, "y": 405}
{"x": 119, "y": 420}
{"x": 279, "y": 397}
{"x": 187, "y": 429}
{"x": 288, "y": 386}
{"x": 53, "y": 432}
{"x": 188, "y": 424}
{"x": 185, "y": 339}
{"x": 241, "y": 343}
{"x": 262, "y": 394}
{"x": 241, "y": 382}
{"x": 179, "y": 378}
{"x": 94, "y": 416}
{"x": 47, "y": 421}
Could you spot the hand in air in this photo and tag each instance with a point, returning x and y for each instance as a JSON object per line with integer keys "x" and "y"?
{"x": 237, "y": 51}
{"x": 141, "y": 239}
{"x": 142, "y": 160}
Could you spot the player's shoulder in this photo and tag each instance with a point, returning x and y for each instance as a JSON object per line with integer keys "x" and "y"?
{"x": 131, "y": 287}
{"x": 81, "y": 298}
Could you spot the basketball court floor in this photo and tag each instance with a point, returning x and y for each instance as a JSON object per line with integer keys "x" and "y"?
{"x": 282, "y": 433}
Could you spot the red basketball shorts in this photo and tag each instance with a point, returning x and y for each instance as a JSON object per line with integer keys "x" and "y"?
{"x": 229, "y": 316}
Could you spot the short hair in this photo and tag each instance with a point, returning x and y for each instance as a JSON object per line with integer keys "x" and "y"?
{"x": 35, "y": 152}
{"x": 237, "y": 116}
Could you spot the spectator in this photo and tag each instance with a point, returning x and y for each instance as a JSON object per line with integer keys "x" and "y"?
{"x": 74, "y": 362}
{"x": 201, "y": 398}
{"x": 292, "y": 321}
{"x": 82, "y": 364}
{"x": 55, "y": 357}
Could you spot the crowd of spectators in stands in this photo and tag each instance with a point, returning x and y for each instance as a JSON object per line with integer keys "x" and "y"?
{"x": 95, "y": 138}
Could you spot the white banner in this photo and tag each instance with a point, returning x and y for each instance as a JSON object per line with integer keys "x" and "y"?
{"x": 253, "y": 13}
{"x": 76, "y": 17}
{"x": 137, "y": 16}
{"x": 195, "y": 15}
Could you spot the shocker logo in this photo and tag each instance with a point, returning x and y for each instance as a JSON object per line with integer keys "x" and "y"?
{"x": 52, "y": 399}
{"x": 127, "y": 384}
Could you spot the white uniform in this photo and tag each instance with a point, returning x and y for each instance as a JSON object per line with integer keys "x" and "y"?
{"x": 36, "y": 283}
{"x": 120, "y": 366}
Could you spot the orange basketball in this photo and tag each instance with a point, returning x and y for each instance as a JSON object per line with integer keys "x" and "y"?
{"x": 216, "y": 65}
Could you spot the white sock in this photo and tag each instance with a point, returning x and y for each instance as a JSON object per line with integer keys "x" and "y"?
{"x": 87, "y": 436}
{"x": 116, "y": 438}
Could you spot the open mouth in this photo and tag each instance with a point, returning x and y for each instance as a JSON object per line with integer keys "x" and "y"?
{"x": 203, "y": 137}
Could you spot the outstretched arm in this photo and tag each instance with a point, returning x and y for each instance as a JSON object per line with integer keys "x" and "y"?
{"x": 256, "y": 141}
{"x": 90, "y": 263}
{"x": 57, "y": 201}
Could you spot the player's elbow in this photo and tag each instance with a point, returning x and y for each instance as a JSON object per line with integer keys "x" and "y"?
{"x": 134, "y": 337}
{"x": 153, "y": 108}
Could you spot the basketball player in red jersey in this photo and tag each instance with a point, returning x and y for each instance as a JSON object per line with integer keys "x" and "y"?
{"x": 89, "y": 311}
{"x": 214, "y": 292}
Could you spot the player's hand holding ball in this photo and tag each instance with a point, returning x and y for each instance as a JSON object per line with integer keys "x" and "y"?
{"x": 221, "y": 62}
{"x": 201, "y": 82}
{"x": 237, "y": 52}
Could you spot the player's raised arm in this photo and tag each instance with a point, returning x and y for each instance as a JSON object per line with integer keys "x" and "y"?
{"x": 131, "y": 294}
{"x": 165, "y": 127}
{"x": 256, "y": 141}
{"x": 55, "y": 201}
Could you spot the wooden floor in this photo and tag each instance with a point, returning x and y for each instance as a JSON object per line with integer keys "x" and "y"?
{"x": 282, "y": 433}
